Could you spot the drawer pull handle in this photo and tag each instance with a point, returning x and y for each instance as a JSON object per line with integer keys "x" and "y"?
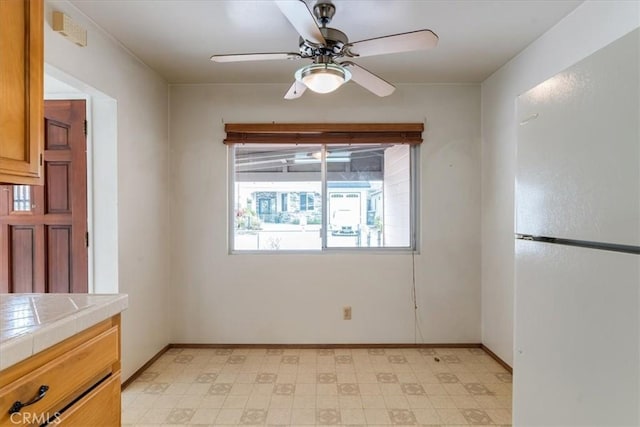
{"x": 19, "y": 405}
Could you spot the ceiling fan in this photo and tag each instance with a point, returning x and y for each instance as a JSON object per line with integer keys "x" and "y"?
{"x": 325, "y": 46}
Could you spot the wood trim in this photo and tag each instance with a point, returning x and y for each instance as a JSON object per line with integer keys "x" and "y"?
{"x": 322, "y": 127}
{"x": 51, "y": 219}
{"x": 325, "y": 346}
{"x": 116, "y": 320}
{"x": 144, "y": 367}
{"x": 78, "y": 186}
{"x": 324, "y": 133}
{"x": 4, "y": 256}
{"x": 342, "y": 138}
{"x": 35, "y": 89}
{"x": 495, "y": 357}
{"x": 40, "y": 284}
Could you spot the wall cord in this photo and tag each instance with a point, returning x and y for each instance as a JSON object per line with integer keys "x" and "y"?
{"x": 416, "y": 320}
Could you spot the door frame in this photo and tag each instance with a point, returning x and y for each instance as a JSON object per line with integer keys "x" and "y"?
{"x": 102, "y": 183}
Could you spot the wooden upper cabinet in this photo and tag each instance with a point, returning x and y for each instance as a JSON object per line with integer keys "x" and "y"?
{"x": 21, "y": 91}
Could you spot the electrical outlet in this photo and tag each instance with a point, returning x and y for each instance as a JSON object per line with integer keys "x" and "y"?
{"x": 346, "y": 312}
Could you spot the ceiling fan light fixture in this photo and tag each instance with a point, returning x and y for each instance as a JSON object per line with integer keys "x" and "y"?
{"x": 323, "y": 78}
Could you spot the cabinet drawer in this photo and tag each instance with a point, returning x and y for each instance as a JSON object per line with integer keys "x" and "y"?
{"x": 67, "y": 376}
{"x": 101, "y": 407}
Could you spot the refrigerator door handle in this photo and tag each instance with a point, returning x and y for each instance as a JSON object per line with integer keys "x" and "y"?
{"x": 581, "y": 243}
{"x": 524, "y": 237}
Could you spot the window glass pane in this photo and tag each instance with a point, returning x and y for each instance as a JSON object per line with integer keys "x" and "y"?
{"x": 277, "y": 197}
{"x": 278, "y": 201}
{"x": 369, "y": 196}
{"x": 21, "y": 198}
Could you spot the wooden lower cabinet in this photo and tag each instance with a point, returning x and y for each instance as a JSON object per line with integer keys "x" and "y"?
{"x": 74, "y": 383}
{"x": 100, "y": 407}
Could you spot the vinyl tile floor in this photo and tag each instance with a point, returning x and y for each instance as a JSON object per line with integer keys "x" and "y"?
{"x": 305, "y": 387}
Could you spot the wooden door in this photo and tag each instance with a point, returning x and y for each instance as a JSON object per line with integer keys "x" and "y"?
{"x": 43, "y": 229}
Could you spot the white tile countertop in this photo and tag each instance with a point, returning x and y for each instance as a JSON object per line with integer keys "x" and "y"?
{"x": 30, "y": 323}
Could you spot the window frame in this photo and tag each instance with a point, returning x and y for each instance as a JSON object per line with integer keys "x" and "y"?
{"x": 338, "y": 134}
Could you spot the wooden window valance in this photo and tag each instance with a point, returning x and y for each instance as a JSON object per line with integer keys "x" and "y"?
{"x": 324, "y": 133}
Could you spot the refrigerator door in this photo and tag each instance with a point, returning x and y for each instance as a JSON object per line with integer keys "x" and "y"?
{"x": 577, "y": 337}
{"x": 578, "y": 150}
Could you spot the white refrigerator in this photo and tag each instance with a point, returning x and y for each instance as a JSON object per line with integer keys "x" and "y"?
{"x": 577, "y": 287}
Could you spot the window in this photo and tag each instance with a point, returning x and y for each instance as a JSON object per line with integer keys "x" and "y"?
{"x": 306, "y": 201}
{"x": 308, "y": 196}
{"x": 21, "y": 198}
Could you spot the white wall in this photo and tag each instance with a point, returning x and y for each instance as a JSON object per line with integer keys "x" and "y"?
{"x": 222, "y": 298}
{"x": 397, "y": 196}
{"x": 142, "y": 176}
{"x": 591, "y": 26}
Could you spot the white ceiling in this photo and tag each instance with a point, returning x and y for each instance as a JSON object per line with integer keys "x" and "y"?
{"x": 176, "y": 38}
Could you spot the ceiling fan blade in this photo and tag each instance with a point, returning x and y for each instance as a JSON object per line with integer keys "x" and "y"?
{"x": 254, "y": 57}
{"x": 368, "y": 80}
{"x": 302, "y": 20}
{"x": 296, "y": 90}
{"x": 405, "y": 42}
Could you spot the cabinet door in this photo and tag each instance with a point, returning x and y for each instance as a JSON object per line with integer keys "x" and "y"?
{"x": 21, "y": 86}
{"x": 101, "y": 407}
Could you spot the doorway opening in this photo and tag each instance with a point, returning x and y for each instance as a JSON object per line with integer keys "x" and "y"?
{"x": 102, "y": 175}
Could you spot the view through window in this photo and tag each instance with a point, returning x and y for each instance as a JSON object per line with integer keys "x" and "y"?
{"x": 314, "y": 197}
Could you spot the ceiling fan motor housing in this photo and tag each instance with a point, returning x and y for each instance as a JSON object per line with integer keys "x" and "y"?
{"x": 336, "y": 41}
